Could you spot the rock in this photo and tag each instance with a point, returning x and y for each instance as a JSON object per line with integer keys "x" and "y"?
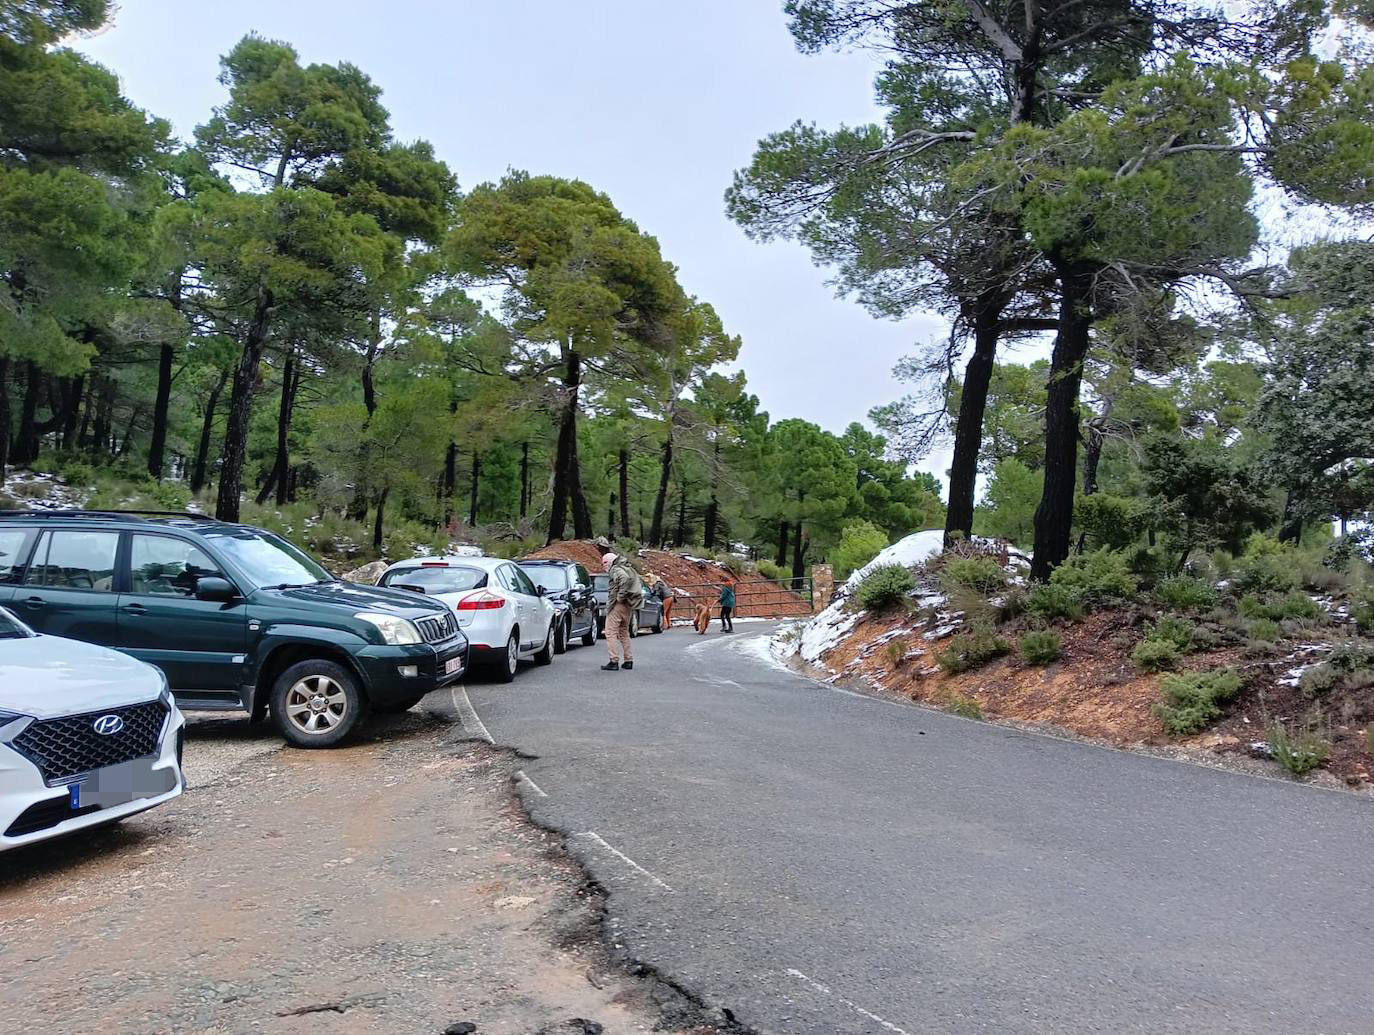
{"x": 367, "y": 575}
{"x": 459, "y": 1027}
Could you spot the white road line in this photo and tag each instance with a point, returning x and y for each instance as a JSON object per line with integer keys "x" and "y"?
{"x": 824, "y": 990}
{"x": 593, "y": 835}
{"x": 468, "y": 714}
{"x": 520, "y": 773}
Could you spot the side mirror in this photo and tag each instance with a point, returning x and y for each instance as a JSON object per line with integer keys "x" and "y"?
{"x": 539, "y": 591}
{"x": 212, "y": 587}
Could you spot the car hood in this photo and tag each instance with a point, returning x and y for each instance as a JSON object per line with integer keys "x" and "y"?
{"x": 351, "y": 597}
{"x": 47, "y": 676}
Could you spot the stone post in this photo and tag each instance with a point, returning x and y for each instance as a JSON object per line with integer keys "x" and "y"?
{"x": 822, "y": 585}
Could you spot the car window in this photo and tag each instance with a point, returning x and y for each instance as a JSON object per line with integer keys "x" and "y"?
{"x": 12, "y": 628}
{"x": 164, "y": 566}
{"x": 516, "y": 580}
{"x": 582, "y": 577}
{"x": 436, "y": 580}
{"x": 553, "y": 577}
{"x": 14, "y": 545}
{"x": 266, "y": 559}
{"x": 74, "y": 560}
{"x": 601, "y": 582}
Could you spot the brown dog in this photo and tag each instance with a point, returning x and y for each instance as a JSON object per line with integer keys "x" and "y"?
{"x": 702, "y": 621}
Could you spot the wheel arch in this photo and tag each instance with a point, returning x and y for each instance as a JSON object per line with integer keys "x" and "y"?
{"x": 284, "y": 655}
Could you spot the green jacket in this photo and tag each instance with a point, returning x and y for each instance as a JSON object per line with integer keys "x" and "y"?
{"x": 727, "y": 596}
{"x": 625, "y": 584}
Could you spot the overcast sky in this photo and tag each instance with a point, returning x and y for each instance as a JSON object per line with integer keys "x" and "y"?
{"x": 655, "y": 102}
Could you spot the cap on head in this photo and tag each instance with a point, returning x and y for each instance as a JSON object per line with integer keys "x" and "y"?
{"x": 607, "y": 559}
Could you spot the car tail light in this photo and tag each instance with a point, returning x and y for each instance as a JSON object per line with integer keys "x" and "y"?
{"x": 481, "y": 602}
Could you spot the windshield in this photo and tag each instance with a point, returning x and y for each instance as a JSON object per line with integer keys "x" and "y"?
{"x": 553, "y": 577}
{"x": 267, "y": 560}
{"x": 601, "y": 581}
{"x": 435, "y": 579}
{"x": 12, "y": 628}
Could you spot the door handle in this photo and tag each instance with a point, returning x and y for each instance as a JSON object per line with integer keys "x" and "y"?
{"x": 34, "y": 601}
{"x": 135, "y": 609}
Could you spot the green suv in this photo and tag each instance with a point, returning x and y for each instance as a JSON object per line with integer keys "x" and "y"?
{"x": 237, "y": 617}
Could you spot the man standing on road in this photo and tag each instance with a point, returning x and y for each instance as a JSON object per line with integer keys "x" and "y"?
{"x": 727, "y": 607}
{"x": 624, "y": 595}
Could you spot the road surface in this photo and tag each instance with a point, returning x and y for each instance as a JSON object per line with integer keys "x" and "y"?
{"x": 819, "y": 861}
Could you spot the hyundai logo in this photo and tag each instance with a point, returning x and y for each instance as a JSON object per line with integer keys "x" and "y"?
{"x": 108, "y": 725}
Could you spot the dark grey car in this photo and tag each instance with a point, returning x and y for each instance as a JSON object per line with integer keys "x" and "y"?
{"x": 649, "y": 615}
{"x": 569, "y": 587}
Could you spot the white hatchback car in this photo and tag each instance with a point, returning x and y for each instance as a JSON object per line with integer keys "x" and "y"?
{"x": 88, "y": 736}
{"x": 504, "y": 615}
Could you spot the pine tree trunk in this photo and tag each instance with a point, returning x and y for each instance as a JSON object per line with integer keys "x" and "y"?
{"x": 377, "y": 522}
{"x": 276, "y": 480}
{"x": 26, "y": 443}
{"x": 524, "y": 479}
{"x": 567, "y": 477}
{"x": 798, "y": 554}
{"x": 100, "y": 427}
{"x": 161, "y": 405}
{"x": 241, "y": 410}
{"x": 708, "y": 535}
{"x": 1054, "y": 515}
{"x": 449, "y": 481}
{"x": 623, "y": 463}
{"x": 661, "y": 499}
{"x": 968, "y": 427}
{"x": 681, "y": 536}
{"x": 206, "y": 430}
{"x": 76, "y": 394}
{"x": 472, "y": 497}
{"x": 610, "y": 515}
{"x": 783, "y": 529}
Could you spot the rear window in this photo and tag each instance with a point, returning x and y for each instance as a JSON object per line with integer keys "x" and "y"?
{"x": 435, "y": 580}
{"x": 552, "y": 577}
{"x": 601, "y": 582}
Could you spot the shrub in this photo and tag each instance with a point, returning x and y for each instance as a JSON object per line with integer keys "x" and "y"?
{"x": 1190, "y": 700}
{"x": 1265, "y": 567}
{"x": 982, "y": 575}
{"x": 884, "y": 588}
{"x": 1041, "y": 646}
{"x": 769, "y": 570}
{"x": 1049, "y": 600}
{"x": 1349, "y": 667}
{"x": 894, "y": 651}
{"x": 1098, "y": 576}
{"x": 962, "y": 704}
{"x": 859, "y": 544}
{"x": 1318, "y": 681}
{"x": 1265, "y": 629}
{"x": 169, "y": 495}
{"x": 1110, "y": 521}
{"x": 1362, "y": 610}
{"x": 1012, "y": 604}
{"x": 971, "y": 649}
{"x": 1178, "y": 631}
{"x": 1186, "y": 593}
{"x": 1297, "y": 606}
{"x": 1299, "y": 750}
{"x": 1155, "y": 655}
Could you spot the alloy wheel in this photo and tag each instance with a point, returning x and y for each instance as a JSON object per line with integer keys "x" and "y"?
{"x": 316, "y": 704}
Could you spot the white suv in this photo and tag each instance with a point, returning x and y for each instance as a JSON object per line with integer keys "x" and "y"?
{"x": 87, "y": 736}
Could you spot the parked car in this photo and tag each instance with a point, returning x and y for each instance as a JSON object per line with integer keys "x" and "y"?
{"x": 504, "y": 615}
{"x": 648, "y": 616}
{"x": 236, "y": 617}
{"x": 88, "y": 736}
{"x": 569, "y": 587}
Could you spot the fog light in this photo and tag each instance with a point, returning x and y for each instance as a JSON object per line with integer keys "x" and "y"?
{"x": 409, "y": 671}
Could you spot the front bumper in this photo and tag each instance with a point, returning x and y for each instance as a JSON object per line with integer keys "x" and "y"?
{"x": 387, "y": 669}
{"x": 31, "y": 810}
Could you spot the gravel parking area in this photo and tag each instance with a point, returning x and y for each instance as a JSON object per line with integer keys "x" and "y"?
{"x": 390, "y": 886}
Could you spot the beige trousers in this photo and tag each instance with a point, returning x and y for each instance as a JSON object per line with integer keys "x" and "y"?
{"x": 618, "y": 631}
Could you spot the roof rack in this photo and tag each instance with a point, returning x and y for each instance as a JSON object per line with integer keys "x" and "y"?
{"x": 110, "y": 515}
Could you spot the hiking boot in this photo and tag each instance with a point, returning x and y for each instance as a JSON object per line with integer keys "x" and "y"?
{"x": 611, "y": 666}
{"x": 628, "y": 665}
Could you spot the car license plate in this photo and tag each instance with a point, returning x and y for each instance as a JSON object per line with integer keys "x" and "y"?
{"x": 453, "y": 665}
{"x": 74, "y": 794}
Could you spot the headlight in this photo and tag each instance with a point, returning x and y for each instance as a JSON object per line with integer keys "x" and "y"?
{"x": 395, "y": 631}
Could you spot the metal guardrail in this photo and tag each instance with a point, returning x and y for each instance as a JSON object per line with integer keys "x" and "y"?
{"x": 756, "y": 598}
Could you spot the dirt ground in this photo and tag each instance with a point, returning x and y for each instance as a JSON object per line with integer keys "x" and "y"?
{"x": 390, "y": 886}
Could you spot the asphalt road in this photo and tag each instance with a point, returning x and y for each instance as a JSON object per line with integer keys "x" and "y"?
{"x": 821, "y": 861}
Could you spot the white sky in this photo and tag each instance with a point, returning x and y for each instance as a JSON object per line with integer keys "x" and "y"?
{"x": 652, "y": 101}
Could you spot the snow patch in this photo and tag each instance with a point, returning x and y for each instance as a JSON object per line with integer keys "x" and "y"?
{"x": 915, "y": 549}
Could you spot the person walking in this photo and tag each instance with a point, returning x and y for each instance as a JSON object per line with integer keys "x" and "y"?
{"x": 665, "y": 597}
{"x": 624, "y": 595}
{"x": 727, "y": 607}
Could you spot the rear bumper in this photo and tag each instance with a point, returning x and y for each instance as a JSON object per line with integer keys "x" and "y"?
{"x": 387, "y": 670}
{"x": 35, "y": 812}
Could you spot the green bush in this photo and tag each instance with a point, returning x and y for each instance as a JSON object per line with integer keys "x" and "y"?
{"x": 1041, "y": 646}
{"x": 1190, "y": 700}
{"x": 1178, "y": 631}
{"x": 1267, "y": 566}
{"x": 1012, "y": 604}
{"x": 884, "y": 588}
{"x": 1098, "y": 576}
{"x": 1349, "y": 667}
{"x": 971, "y": 649}
{"x": 1049, "y": 600}
{"x": 1298, "y": 749}
{"x": 1318, "y": 681}
{"x": 1265, "y": 629}
{"x": 1186, "y": 593}
{"x": 859, "y": 544}
{"x": 962, "y": 704}
{"x": 1156, "y": 655}
{"x": 982, "y": 575}
{"x": 1110, "y": 521}
{"x": 769, "y": 570}
{"x": 1362, "y": 610}
{"x": 1297, "y": 606}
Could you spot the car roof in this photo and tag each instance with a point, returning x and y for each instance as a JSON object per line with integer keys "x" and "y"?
{"x": 452, "y": 561}
{"x": 548, "y": 560}
{"x": 182, "y": 520}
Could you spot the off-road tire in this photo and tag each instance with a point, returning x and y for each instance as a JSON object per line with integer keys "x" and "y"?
{"x": 562, "y": 636}
{"x": 589, "y": 637}
{"x": 544, "y": 656}
{"x": 293, "y": 710}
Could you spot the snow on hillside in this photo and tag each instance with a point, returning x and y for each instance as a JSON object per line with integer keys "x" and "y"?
{"x": 915, "y": 549}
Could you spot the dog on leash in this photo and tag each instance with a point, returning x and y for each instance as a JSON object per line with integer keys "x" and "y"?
{"x": 702, "y": 621}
